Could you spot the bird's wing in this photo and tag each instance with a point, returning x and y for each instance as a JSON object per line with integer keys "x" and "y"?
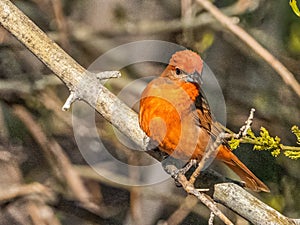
{"x": 204, "y": 118}
{"x": 203, "y": 114}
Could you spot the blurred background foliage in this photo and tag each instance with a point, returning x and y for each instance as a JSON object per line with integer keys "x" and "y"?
{"x": 86, "y": 29}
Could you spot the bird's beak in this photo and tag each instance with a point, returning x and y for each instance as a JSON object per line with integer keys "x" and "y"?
{"x": 195, "y": 78}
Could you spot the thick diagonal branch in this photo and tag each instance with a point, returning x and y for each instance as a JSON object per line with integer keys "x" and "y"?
{"x": 70, "y": 72}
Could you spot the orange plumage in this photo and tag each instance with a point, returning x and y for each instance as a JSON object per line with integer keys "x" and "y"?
{"x": 174, "y": 113}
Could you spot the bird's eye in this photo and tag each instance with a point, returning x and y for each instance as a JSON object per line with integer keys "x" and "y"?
{"x": 177, "y": 71}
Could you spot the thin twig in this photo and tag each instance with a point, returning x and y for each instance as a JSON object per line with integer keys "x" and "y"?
{"x": 186, "y": 16}
{"x": 61, "y": 22}
{"x": 82, "y": 31}
{"x": 24, "y": 190}
{"x": 135, "y": 206}
{"x": 243, "y": 130}
{"x": 213, "y": 148}
{"x": 211, "y": 218}
{"x": 183, "y": 210}
{"x": 189, "y": 188}
{"x": 41, "y": 214}
{"x": 247, "y": 126}
{"x": 208, "y": 155}
{"x": 26, "y": 87}
{"x": 4, "y": 135}
{"x": 285, "y": 74}
{"x": 72, "y": 97}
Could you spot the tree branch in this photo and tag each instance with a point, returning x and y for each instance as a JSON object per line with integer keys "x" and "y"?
{"x": 251, "y": 208}
{"x": 190, "y": 189}
{"x": 24, "y": 190}
{"x": 70, "y": 72}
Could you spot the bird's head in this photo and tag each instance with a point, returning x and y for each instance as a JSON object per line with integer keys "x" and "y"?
{"x": 185, "y": 66}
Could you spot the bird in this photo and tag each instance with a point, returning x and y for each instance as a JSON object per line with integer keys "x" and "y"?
{"x": 175, "y": 113}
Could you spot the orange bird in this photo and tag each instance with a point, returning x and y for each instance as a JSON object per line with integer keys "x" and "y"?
{"x": 175, "y": 113}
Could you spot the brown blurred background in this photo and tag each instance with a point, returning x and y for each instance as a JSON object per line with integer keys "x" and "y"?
{"x": 31, "y": 96}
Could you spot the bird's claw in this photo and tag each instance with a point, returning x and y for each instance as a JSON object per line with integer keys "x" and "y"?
{"x": 189, "y": 165}
{"x": 183, "y": 170}
{"x": 175, "y": 175}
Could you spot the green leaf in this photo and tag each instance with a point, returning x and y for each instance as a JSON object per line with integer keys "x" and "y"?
{"x": 234, "y": 143}
{"x": 250, "y": 133}
{"x": 292, "y": 154}
{"x": 266, "y": 142}
{"x": 295, "y": 129}
{"x": 293, "y": 4}
{"x": 276, "y": 152}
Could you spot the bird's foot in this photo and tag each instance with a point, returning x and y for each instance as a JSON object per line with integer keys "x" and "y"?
{"x": 177, "y": 172}
{"x": 189, "y": 165}
{"x": 175, "y": 175}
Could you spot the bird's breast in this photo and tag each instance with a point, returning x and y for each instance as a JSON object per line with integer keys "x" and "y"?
{"x": 167, "y": 115}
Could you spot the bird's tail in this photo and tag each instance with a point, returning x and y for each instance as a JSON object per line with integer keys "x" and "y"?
{"x": 252, "y": 182}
